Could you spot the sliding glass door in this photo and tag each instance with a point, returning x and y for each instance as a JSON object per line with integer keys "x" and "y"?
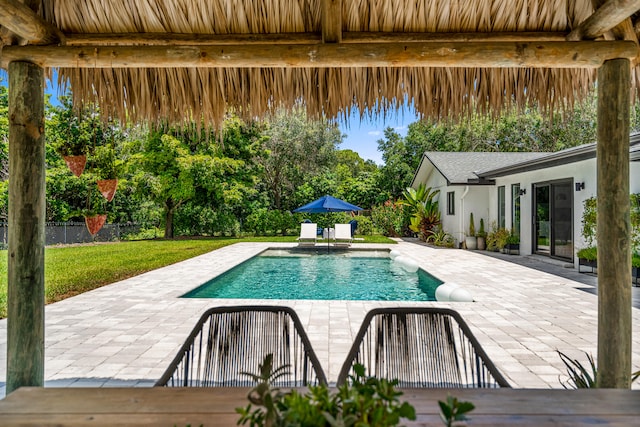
{"x": 553, "y": 219}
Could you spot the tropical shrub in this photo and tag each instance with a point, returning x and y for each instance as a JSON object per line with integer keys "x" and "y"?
{"x": 497, "y": 238}
{"x": 423, "y": 208}
{"x": 263, "y": 221}
{"x": 389, "y": 217}
{"x": 366, "y": 226}
{"x": 441, "y": 238}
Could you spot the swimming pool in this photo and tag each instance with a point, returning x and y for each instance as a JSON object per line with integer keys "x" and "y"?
{"x": 361, "y": 275}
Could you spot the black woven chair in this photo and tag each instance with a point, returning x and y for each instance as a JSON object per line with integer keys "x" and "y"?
{"x": 229, "y": 340}
{"x": 421, "y": 348}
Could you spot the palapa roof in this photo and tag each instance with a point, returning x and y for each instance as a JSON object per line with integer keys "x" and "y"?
{"x": 177, "y": 60}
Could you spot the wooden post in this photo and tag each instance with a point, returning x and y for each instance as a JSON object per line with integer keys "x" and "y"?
{"x": 25, "y": 320}
{"x": 614, "y": 230}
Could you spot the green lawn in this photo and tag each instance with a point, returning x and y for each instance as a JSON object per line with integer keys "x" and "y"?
{"x": 72, "y": 270}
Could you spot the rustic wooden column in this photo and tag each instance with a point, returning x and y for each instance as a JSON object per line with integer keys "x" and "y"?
{"x": 614, "y": 230}
{"x": 25, "y": 320}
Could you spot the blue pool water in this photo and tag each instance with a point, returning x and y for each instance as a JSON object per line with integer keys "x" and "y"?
{"x": 346, "y": 275}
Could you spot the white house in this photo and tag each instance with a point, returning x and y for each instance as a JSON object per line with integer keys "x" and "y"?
{"x": 538, "y": 195}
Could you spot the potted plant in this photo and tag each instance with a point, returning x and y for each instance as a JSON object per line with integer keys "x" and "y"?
{"x": 481, "y": 236}
{"x": 470, "y": 240}
{"x": 512, "y": 244}
{"x": 588, "y": 257}
{"x": 73, "y": 153}
{"x": 94, "y": 221}
{"x": 107, "y": 168}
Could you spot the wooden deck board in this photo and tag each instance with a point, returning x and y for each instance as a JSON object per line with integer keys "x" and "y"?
{"x": 216, "y": 406}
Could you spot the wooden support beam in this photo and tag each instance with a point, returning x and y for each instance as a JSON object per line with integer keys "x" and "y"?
{"x": 175, "y": 39}
{"x": 23, "y": 22}
{"x": 25, "y": 307}
{"x": 331, "y": 21}
{"x": 614, "y": 229}
{"x": 612, "y": 13}
{"x": 338, "y": 55}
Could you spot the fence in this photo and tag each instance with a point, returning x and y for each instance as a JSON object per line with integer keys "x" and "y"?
{"x": 76, "y": 232}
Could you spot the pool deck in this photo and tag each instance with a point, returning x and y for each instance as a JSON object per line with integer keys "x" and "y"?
{"x": 127, "y": 333}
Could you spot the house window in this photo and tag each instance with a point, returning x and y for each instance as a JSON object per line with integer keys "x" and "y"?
{"x": 515, "y": 209}
{"x": 501, "y": 207}
{"x": 451, "y": 207}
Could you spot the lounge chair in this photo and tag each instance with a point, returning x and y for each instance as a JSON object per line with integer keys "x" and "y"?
{"x": 228, "y": 341}
{"x": 421, "y": 348}
{"x": 342, "y": 235}
{"x": 308, "y": 234}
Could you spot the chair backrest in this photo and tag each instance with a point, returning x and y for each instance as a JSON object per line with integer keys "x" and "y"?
{"x": 228, "y": 341}
{"x": 343, "y": 231}
{"x": 421, "y": 347}
{"x": 308, "y": 230}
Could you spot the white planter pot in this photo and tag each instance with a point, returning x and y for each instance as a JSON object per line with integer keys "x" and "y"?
{"x": 471, "y": 242}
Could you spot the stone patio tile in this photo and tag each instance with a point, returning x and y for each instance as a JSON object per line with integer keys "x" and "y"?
{"x": 128, "y": 332}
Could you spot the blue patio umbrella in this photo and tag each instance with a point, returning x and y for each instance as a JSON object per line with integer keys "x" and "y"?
{"x": 328, "y": 204}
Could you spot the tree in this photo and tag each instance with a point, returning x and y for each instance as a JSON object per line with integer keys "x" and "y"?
{"x": 293, "y": 149}
{"x": 189, "y": 165}
{"x": 397, "y": 172}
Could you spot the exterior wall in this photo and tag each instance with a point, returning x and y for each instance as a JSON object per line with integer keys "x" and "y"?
{"x": 474, "y": 201}
{"x": 482, "y": 200}
{"x": 584, "y": 171}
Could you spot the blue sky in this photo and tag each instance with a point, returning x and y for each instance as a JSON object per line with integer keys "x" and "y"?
{"x": 362, "y": 136}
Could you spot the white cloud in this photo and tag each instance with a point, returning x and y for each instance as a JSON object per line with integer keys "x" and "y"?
{"x": 403, "y": 127}
{"x": 375, "y": 133}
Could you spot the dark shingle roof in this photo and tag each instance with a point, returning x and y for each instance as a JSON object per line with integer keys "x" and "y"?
{"x": 460, "y": 168}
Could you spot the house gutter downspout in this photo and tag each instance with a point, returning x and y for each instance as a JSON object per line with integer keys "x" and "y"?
{"x": 466, "y": 190}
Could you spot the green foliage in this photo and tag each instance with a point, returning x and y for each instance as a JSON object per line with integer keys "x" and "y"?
{"x": 635, "y": 222}
{"x": 579, "y": 376}
{"x": 390, "y": 217}
{"x": 590, "y": 253}
{"x": 365, "y": 226}
{"x": 398, "y": 169}
{"x": 423, "y": 208}
{"x": 441, "y": 238}
{"x": 472, "y": 226}
{"x": 290, "y": 151}
{"x": 589, "y": 220}
{"x": 362, "y": 401}
{"x": 497, "y": 238}
{"x": 264, "y": 222}
{"x": 513, "y": 238}
{"x": 481, "y": 231}
{"x": 453, "y": 411}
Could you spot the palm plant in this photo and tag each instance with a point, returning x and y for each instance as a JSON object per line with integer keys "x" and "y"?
{"x": 425, "y": 211}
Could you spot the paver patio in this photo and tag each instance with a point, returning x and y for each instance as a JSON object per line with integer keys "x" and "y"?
{"x": 127, "y": 333}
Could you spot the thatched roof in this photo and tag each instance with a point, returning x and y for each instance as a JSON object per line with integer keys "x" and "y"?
{"x": 177, "y": 94}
